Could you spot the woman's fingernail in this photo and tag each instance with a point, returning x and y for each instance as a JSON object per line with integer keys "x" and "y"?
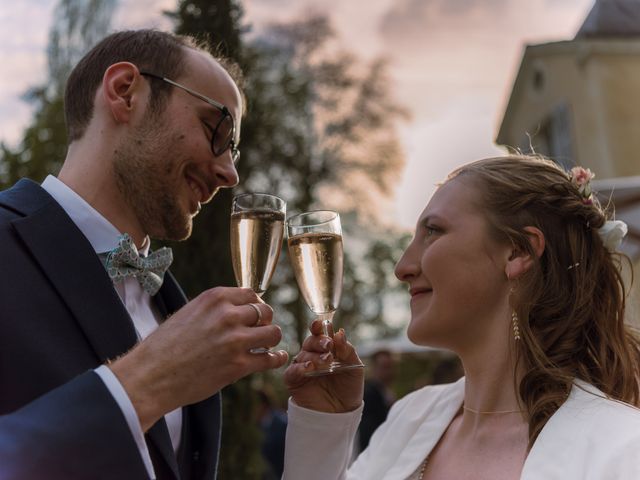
{"x": 324, "y": 343}
{"x": 324, "y": 357}
{"x": 307, "y": 364}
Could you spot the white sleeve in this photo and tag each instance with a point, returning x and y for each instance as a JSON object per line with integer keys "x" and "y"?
{"x": 122, "y": 399}
{"x": 318, "y": 445}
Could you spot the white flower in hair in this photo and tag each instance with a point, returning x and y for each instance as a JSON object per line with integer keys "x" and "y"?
{"x": 612, "y": 233}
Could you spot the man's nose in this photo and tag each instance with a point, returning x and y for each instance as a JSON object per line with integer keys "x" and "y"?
{"x": 225, "y": 171}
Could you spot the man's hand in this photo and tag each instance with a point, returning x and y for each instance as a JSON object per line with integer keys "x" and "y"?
{"x": 197, "y": 351}
{"x": 334, "y": 393}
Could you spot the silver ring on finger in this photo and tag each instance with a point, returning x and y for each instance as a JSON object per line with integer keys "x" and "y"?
{"x": 258, "y": 311}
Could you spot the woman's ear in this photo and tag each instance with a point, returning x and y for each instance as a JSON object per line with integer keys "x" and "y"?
{"x": 521, "y": 261}
{"x": 120, "y": 83}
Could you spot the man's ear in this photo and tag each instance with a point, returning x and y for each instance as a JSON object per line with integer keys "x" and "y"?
{"x": 121, "y": 89}
{"x": 521, "y": 261}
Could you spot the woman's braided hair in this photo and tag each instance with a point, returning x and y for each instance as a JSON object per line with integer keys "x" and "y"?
{"x": 571, "y": 303}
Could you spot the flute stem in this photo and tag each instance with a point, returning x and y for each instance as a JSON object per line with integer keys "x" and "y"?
{"x": 327, "y": 324}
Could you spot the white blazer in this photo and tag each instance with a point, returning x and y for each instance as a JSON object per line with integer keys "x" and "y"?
{"x": 588, "y": 438}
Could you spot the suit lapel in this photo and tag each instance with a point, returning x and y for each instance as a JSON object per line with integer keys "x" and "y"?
{"x": 75, "y": 271}
{"x": 168, "y": 299}
{"x": 159, "y": 441}
{"x": 201, "y": 421}
{"x": 77, "y": 274}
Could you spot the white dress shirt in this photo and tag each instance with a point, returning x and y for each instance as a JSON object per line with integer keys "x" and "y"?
{"x": 103, "y": 237}
{"x": 588, "y": 438}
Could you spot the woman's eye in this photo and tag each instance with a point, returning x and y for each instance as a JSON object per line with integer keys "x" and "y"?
{"x": 432, "y": 230}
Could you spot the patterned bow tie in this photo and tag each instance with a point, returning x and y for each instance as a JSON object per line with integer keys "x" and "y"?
{"x": 124, "y": 261}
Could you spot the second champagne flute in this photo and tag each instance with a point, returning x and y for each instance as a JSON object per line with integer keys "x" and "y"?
{"x": 315, "y": 250}
{"x": 257, "y": 230}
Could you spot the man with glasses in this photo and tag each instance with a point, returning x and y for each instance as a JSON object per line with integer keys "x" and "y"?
{"x": 105, "y": 370}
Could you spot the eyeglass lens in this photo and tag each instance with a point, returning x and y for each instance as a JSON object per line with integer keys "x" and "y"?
{"x": 223, "y": 134}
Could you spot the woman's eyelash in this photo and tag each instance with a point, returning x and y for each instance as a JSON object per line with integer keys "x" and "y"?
{"x": 432, "y": 229}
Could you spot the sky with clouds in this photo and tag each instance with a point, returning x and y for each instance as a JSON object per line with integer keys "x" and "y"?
{"x": 452, "y": 62}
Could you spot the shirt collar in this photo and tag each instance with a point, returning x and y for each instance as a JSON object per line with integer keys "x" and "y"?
{"x": 102, "y": 235}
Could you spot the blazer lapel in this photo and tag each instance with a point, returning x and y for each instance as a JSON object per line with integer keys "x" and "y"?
{"x": 75, "y": 271}
{"x": 200, "y": 443}
{"x": 159, "y": 440}
{"x": 170, "y": 297}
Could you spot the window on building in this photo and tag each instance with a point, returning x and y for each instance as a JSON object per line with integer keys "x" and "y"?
{"x": 553, "y": 137}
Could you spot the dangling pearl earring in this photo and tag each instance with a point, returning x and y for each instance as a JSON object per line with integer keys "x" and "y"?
{"x": 516, "y": 326}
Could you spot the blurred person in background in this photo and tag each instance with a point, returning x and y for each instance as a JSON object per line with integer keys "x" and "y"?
{"x": 273, "y": 424}
{"x": 378, "y": 394}
{"x": 447, "y": 370}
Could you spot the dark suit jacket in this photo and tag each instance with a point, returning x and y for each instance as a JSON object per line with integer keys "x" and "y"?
{"x": 60, "y": 317}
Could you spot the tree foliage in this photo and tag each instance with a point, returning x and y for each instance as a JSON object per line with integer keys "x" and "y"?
{"x": 77, "y": 25}
{"x": 319, "y": 132}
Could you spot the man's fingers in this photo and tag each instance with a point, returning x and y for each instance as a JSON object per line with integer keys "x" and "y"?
{"x": 256, "y": 314}
{"x": 249, "y": 315}
{"x": 266, "y": 336}
{"x": 269, "y": 360}
{"x": 234, "y": 295}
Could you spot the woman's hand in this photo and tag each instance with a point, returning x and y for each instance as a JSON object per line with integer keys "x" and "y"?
{"x": 334, "y": 393}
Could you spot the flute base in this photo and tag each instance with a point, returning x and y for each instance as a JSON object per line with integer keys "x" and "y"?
{"x": 334, "y": 367}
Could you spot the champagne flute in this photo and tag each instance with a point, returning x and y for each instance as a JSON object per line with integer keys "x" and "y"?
{"x": 257, "y": 229}
{"x": 315, "y": 249}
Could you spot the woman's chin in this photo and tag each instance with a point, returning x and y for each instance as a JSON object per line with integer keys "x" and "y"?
{"x": 419, "y": 335}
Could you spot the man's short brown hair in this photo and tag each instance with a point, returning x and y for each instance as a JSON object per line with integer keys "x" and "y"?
{"x": 150, "y": 50}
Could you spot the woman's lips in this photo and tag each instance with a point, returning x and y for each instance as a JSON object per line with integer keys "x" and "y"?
{"x": 419, "y": 291}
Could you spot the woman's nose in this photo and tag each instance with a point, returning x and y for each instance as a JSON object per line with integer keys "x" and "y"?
{"x": 407, "y": 267}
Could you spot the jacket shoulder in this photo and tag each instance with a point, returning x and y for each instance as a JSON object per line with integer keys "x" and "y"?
{"x": 23, "y": 198}
{"x": 425, "y": 399}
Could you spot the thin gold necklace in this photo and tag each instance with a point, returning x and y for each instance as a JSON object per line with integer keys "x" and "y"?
{"x": 496, "y": 412}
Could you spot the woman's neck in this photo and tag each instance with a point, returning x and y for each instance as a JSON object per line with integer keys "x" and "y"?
{"x": 490, "y": 388}
{"x": 490, "y": 383}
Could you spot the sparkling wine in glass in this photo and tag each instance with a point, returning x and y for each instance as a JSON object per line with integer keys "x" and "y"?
{"x": 315, "y": 250}
{"x": 257, "y": 230}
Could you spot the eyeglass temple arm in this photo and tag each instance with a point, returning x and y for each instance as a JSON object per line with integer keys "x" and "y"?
{"x": 210, "y": 101}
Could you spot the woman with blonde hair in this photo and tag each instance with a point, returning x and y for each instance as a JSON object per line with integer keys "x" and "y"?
{"x": 513, "y": 268}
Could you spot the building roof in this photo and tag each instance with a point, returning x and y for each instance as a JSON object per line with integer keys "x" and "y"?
{"x": 581, "y": 49}
{"x": 612, "y": 18}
